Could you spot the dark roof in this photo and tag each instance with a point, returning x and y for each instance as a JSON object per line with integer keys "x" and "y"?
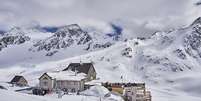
{"x": 80, "y": 67}
{"x": 45, "y": 74}
{"x": 16, "y": 78}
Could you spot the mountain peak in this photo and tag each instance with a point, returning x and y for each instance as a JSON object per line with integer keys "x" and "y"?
{"x": 15, "y": 31}
{"x": 70, "y": 27}
{"x": 73, "y": 26}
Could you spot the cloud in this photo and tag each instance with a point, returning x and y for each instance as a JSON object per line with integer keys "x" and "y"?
{"x": 140, "y": 16}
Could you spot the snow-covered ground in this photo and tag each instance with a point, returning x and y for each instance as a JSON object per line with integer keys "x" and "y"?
{"x": 170, "y": 86}
{"x": 168, "y": 62}
{"x": 95, "y": 93}
{"x": 13, "y": 96}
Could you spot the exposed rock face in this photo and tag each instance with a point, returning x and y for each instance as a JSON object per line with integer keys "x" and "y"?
{"x": 192, "y": 41}
{"x": 59, "y": 38}
{"x": 107, "y": 44}
{"x": 63, "y": 38}
{"x": 179, "y": 53}
{"x": 175, "y": 51}
{"x": 14, "y": 37}
{"x": 72, "y": 36}
{"x": 164, "y": 63}
{"x": 127, "y": 52}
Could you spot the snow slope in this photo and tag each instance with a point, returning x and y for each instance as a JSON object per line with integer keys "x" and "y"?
{"x": 13, "y": 96}
{"x": 98, "y": 92}
{"x": 33, "y": 45}
{"x": 168, "y": 62}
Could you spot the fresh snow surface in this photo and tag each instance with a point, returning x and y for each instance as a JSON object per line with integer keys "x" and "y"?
{"x": 96, "y": 91}
{"x": 15, "y": 96}
{"x": 67, "y": 75}
{"x": 168, "y": 62}
{"x": 102, "y": 92}
{"x": 163, "y": 86}
{"x": 93, "y": 94}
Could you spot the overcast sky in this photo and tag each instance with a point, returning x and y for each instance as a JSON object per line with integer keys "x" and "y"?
{"x": 140, "y": 16}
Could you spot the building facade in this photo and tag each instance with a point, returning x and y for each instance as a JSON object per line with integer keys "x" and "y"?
{"x": 46, "y": 82}
{"x": 136, "y": 93}
{"x": 133, "y": 94}
{"x": 71, "y": 86}
{"x": 62, "y": 80}
{"x": 19, "y": 81}
{"x": 86, "y": 68}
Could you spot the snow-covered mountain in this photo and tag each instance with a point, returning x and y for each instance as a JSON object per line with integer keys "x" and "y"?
{"x": 13, "y": 37}
{"x": 169, "y": 62}
{"x": 72, "y": 35}
{"x": 63, "y": 38}
{"x": 36, "y": 43}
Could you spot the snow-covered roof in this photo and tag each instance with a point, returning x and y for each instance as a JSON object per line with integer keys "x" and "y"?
{"x": 67, "y": 75}
{"x": 93, "y": 82}
{"x": 80, "y": 67}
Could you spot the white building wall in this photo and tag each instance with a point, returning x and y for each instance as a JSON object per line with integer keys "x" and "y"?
{"x": 76, "y": 85}
{"x": 47, "y": 83}
{"x": 134, "y": 94}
